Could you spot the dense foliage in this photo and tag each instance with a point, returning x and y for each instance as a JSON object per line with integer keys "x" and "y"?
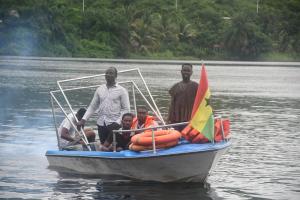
{"x": 163, "y": 29}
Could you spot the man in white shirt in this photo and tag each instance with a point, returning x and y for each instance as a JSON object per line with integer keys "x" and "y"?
{"x": 112, "y": 101}
{"x": 67, "y": 132}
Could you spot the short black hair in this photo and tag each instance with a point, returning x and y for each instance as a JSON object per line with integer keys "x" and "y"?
{"x": 81, "y": 112}
{"x": 187, "y": 64}
{"x": 128, "y": 114}
{"x": 115, "y": 70}
{"x": 143, "y": 107}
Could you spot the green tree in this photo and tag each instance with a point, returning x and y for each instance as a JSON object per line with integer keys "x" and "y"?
{"x": 244, "y": 40}
{"x": 125, "y": 28}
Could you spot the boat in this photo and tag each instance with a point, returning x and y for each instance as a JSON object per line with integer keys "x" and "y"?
{"x": 185, "y": 162}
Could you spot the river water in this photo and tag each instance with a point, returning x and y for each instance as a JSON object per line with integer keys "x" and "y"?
{"x": 263, "y": 104}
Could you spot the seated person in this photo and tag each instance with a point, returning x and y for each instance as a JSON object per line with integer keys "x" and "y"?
{"x": 143, "y": 120}
{"x": 122, "y": 138}
{"x": 68, "y": 139}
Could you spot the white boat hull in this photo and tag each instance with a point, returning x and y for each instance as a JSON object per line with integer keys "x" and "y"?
{"x": 180, "y": 167}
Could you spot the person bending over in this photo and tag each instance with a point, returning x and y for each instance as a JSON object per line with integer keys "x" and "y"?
{"x": 68, "y": 139}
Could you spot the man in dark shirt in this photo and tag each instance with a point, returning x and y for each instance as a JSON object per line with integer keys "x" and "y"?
{"x": 122, "y": 138}
{"x": 183, "y": 95}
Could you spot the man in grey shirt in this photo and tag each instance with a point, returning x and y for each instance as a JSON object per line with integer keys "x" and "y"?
{"x": 112, "y": 101}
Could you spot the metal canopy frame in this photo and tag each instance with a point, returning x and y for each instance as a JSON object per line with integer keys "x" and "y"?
{"x": 150, "y": 102}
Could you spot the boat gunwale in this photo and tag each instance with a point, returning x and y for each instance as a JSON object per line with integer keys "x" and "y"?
{"x": 140, "y": 155}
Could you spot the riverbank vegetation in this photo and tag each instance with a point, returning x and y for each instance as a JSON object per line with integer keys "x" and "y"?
{"x": 152, "y": 29}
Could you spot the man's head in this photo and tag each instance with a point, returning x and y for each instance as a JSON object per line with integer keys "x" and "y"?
{"x": 111, "y": 75}
{"x": 80, "y": 113}
{"x": 142, "y": 113}
{"x": 186, "y": 71}
{"x": 127, "y": 119}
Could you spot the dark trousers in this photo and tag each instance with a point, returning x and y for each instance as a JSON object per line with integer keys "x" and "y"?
{"x": 104, "y": 131}
{"x": 180, "y": 127}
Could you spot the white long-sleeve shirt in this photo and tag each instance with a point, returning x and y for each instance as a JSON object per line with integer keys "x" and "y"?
{"x": 111, "y": 104}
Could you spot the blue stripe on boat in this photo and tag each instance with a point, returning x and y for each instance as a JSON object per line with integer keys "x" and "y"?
{"x": 183, "y": 148}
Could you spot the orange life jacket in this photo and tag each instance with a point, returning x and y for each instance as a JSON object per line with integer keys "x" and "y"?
{"x": 194, "y": 136}
{"x": 148, "y": 122}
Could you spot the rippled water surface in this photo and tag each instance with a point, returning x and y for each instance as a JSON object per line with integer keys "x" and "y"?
{"x": 263, "y": 104}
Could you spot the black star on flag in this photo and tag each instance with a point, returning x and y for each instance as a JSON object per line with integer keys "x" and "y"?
{"x": 207, "y": 101}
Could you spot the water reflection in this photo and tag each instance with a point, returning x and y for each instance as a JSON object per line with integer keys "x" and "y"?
{"x": 126, "y": 189}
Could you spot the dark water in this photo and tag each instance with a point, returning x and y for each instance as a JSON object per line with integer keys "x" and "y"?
{"x": 263, "y": 104}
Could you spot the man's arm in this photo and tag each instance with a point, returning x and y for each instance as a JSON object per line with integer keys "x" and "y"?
{"x": 125, "y": 105}
{"x": 65, "y": 135}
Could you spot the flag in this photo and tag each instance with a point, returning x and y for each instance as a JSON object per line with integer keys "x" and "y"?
{"x": 202, "y": 118}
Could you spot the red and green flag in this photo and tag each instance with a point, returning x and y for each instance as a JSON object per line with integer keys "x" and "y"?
{"x": 202, "y": 118}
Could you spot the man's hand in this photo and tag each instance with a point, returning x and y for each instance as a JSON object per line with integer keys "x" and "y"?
{"x": 81, "y": 142}
{"x": 80, "y": 124}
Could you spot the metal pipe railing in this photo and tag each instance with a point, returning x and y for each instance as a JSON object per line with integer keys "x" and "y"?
{"x": 156, "y": 110}
{"x": 85, "y": 87}
{"x": 144, "y": 129}
{"x": 222, "y": 128}
{"x": 161, "y": 118}
{"x": 55, "y": 124}
{"x": 73, "y": 113}
{"x": 93, "y": 76}
{"x": 68, "y": 103}
{"x": 149, "y": 128}
{"x": 134, "y": 100}
{"x": 124, "y": 82}
{"x": 153, "y": 141}
{"x": 159, "y": 127}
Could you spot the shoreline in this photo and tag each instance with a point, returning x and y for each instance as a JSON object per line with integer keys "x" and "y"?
{"x": 149, "y": 61}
